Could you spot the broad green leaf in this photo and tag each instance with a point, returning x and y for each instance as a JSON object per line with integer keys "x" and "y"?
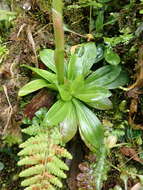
{"x": 56, "y": 113}
{"x": 99, "y": 21}
{"x": 47, "y": 57}
{"x": 86, "y": 57}
{"x": 77, "y": 84}
{"x": 111, "y": 57}
{"x": 85, "y": 140}
{"x": 32, "y": 87}
{"x": 50, "y": 77}
{"x": 100, "y": 53}
{"x": 90, "y": 127}
{"x": 75, "y": 67}
{"x": 92, "y": 94}
{"x": 103, "y": 104}
{"x": 120, "y": 81}
{"x": 72, "y": 67}
{"x": 68, "y": 127}
{"x": 103, "y": 71}
{"x": 103, "y": 75}
{"x": 64, "y": 92}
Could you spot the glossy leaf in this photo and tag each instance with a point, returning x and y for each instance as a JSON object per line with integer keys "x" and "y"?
{"x": 92, "y": 94}
{"x": 90, "y": 127}
{"x": 103, "y": 104}
{"x": 77, "y": 84}
{"x": 102, "y": 71}
{"x": 86, "y": 57}
{"x": 103, "y": 75}
{"x": 47, "y": 57}
{"x": 33, "y": 86}
{"x": 50, "y": 77}
{"x": 64, "y": 92}
{"x": 68, "y": 127}
{"x": 85, "y": 140}
{"x": 100, "y": 53}
{"x": 120, "y": 81}
{"x": 111, "y": 57}
{"x": 72, "y": 67}
{"x": 56, "y": 113}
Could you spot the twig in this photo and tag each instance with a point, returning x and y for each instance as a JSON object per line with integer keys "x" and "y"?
{"x": 131, "y": 159}
{"x": 10, "y": 109}
{"x": 21, "y": 28}
{"x": 31, "y": 40}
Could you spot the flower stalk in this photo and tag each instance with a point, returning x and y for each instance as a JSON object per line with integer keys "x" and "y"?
{"x": 59, "y": 39}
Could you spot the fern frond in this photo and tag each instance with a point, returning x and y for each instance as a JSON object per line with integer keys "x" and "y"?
{"x": 29, "y": 160}
{"x": 45, "y": 176}
{"x": 52, "y": 168}
{"x": 60, "y": 163}
{"x": 41, "y": 154}
{"x": 37, "y": 186}
{"x": 33, "y": 130}
{"x": 32, "y": 160}
{"x": 33, "y": 149}
{"x": 34, "y": 140}
{"x": 32, "y": 171}
{"x": 62, "y": 152}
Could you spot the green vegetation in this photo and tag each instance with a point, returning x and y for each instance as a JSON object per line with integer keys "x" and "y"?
{"x": 78, "y": 87}
{"x": 79, "y": 56}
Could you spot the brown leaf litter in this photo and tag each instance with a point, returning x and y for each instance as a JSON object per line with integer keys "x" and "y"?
{"x": 27, "y": 36}
{"x": 43, "y": 99}
{"x": 134, "y": 91}
{"x": 131, "y": 153}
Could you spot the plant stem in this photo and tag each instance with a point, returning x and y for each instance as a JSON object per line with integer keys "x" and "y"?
{"x": 90, "y": 19}
{"x": 59, "y": 39}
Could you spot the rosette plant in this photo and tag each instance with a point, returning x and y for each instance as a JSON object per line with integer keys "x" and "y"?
{"x": 78, "y": 87}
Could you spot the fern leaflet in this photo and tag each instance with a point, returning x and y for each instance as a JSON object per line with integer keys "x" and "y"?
{"x": 42, "y": 155}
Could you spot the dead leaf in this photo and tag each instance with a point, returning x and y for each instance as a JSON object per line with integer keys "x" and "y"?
{"x": 43, "y": 99}
{"x": 135, "y": 89}
{"x": 130, "y": 152}
{"x": 139, "y": 72}
{"x": 133, "y": 106}
{"x": 31, "y": 41}
{"x": 137, "y": 126}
